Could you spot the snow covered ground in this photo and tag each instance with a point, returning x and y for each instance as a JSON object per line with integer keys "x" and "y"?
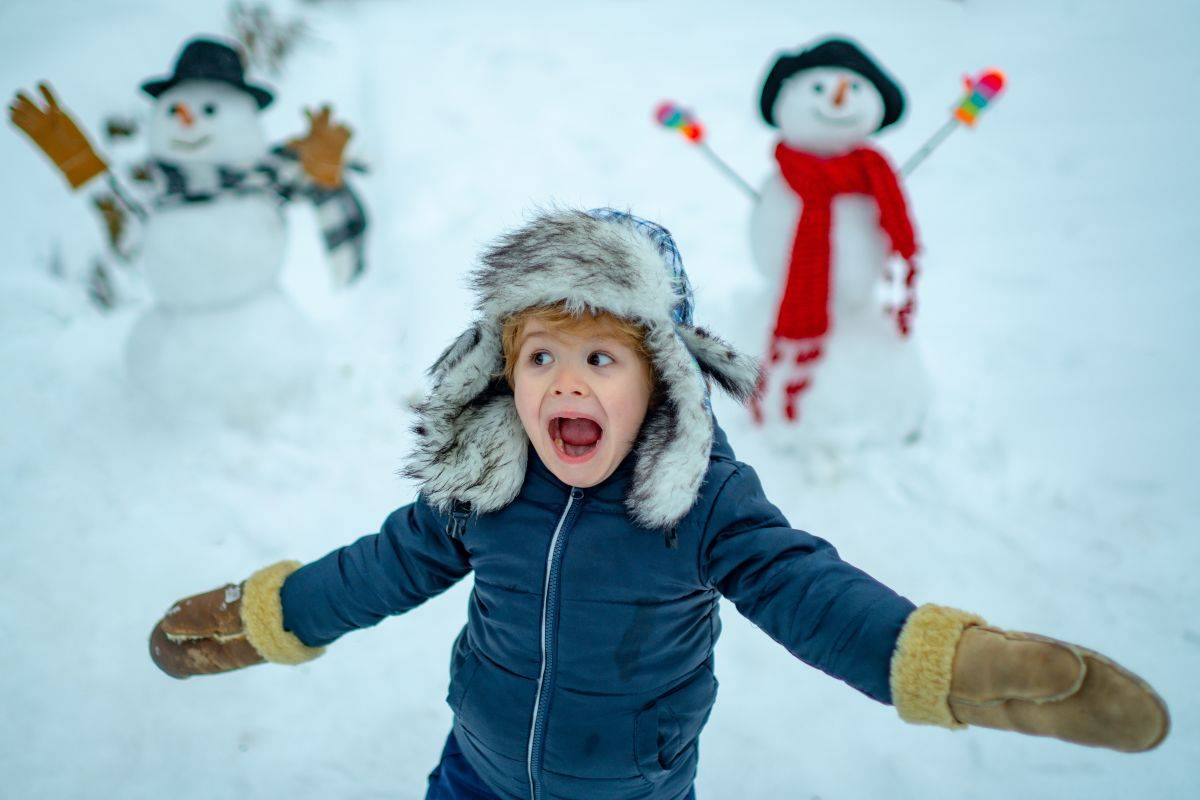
{"x": 1059, "y": 319}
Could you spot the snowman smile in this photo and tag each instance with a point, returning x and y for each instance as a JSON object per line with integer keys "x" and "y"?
{"x": 576, "y": 438}
{"x": 195, "y": 144}
{"x": 821, "y": 115}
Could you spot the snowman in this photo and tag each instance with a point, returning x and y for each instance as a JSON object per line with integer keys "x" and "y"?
{"x": 204, "y": 215}
{"x": 841, "y": 361}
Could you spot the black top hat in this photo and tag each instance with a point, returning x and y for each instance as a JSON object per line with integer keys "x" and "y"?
{"x": 832, "y": 53}
{"x": 205, "y": 59}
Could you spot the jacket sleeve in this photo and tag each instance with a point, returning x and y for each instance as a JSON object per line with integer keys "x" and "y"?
{"x": 794, "y": 586}
{"x": 410, "y": 560}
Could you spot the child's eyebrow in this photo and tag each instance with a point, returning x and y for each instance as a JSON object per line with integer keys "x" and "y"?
{"x": 596, "y": 339}
{"x": 525, "y": 337}
{"x": 599, "y": 339}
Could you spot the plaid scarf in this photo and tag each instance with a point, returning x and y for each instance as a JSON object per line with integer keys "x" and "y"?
{"x": 339, "y": 212}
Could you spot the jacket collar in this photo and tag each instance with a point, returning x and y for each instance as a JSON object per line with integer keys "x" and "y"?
{"x": 611, "y": 489}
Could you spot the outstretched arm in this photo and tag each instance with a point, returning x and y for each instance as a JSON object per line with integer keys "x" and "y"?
{"x": 937, "y": 665}
{"x": 795, "y": 587}
{"x": 286, "y": 613}
{"x": 410, "y": 560}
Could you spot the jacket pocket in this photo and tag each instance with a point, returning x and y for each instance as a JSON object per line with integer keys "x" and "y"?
{"x": 666, "y": 731}
{"x": 464, "y": 664}
{"x": 493, "y": 704}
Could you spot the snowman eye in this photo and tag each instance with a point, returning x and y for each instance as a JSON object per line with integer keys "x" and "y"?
{"x": 210, "y": 109}
{"x": 818, "y": 88}
{"x": 173, "y": 109}
{"x": 854, "y": 87}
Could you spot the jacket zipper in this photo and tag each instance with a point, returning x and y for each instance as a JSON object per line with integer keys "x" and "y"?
{"x": 550, "y": 590}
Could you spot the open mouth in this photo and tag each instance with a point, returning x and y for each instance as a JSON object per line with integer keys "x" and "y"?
{"x": 184, "y": 144}
{"x": 575, "y": 438}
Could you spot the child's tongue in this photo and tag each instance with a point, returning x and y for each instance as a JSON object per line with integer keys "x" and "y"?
{"x": 577, "y": 435}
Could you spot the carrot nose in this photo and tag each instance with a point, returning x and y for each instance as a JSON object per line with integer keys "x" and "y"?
{"x": 184, "y": 113}
{"x": 839, "y": 96}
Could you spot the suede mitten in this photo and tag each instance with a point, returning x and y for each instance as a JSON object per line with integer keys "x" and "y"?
{"x": 951, "y": 669}
{"x": 229, "y": 628}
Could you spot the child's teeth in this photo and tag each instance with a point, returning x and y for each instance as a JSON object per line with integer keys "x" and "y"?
{"x": 560, "y": 444}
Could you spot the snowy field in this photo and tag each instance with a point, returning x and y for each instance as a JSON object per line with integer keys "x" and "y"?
{"x": 1059, "y": 319}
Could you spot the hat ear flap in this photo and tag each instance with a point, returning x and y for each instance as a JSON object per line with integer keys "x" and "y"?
{"x": 676, "y": 436}
{"x": 452, "y": 355}
{"x": 467, "y": 366}
{"x": 735, "y": 372}
{"x": 470, "y": 445}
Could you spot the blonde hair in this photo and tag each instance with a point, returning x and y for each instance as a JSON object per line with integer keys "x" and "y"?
{"x": 558, "y": 319}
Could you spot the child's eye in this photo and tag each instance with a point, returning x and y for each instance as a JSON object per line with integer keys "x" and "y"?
{"x": 600, "y": 359}
{"x": 541, "y": 358}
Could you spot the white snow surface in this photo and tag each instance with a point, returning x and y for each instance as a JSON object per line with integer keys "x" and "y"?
{"x": 1058, "y": 318}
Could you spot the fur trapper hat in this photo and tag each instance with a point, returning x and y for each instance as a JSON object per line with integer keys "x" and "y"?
{"x": 470, "y": 445}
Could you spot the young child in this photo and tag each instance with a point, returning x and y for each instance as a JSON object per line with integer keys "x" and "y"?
{"x": 568, "y": 455}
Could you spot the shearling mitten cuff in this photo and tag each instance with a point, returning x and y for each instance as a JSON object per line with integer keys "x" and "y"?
{"x": 262, "y": 617}
{"x": 923, "y": 664}
{"x": 951, "y": 669}
{"x": 228, "y": 628}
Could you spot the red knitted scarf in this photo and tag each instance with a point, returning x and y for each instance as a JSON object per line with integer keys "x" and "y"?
{"x": 804, "y": 308}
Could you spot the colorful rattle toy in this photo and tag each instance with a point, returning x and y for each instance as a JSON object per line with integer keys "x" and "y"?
{"x": 669, "y": 115}
{"x": 981, "y": 92}
{"x": 675, "y": 117}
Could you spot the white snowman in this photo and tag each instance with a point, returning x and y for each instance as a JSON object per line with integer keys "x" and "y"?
{"x": 842, "y": 367}
{"x": 205, "y": 219}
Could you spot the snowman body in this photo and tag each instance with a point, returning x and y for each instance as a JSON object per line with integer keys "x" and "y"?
{"x": 220, "y": 335}
{"x": 210, "y": 255}
{"x": 870, "y": 385}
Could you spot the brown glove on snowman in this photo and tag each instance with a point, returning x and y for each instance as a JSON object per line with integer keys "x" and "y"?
{"x": 55, "y": 133}
{"x": 321, "y": 150}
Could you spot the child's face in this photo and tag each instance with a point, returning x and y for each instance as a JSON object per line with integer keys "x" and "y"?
{"x": 581, "y": 399}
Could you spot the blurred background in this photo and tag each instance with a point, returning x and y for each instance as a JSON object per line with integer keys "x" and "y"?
{"x": 1058, "y": 320}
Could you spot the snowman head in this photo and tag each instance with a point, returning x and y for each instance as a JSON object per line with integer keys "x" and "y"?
{"x": 205, "y": 112}
{"x": 206, "y": 122}
{"x": 829, "y": 97}
{"x": 827, "y": 110}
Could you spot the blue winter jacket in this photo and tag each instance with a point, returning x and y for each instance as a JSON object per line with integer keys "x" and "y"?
{"x": 585, "y": 669}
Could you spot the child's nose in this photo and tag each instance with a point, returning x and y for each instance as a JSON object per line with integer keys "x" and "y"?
{"x": 576, "y": 390}
{"x": 569, "y": 383}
